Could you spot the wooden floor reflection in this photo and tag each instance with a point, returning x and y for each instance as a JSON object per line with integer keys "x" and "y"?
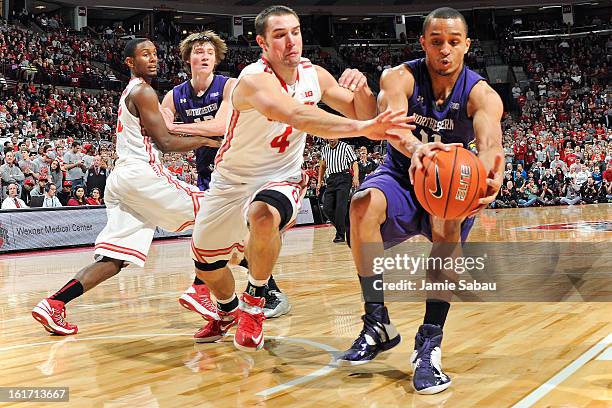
{"x": 134, "y": 348}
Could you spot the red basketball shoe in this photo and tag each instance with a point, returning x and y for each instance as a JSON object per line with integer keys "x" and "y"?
{"x": 216, "y": 329}
{"x": 197, "y": 299}
{"x": 51, "y": 314}
{"x": 249, "y": 334}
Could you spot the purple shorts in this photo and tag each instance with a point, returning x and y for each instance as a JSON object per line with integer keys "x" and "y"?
{"x": 405, "y": 216}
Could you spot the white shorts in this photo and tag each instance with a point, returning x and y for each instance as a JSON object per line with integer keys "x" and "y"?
{"x": 220, "y": 227}
{"x": 139, "y": 197}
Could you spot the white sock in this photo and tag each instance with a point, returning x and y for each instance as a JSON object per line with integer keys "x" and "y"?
{"x": 256, "y": 282}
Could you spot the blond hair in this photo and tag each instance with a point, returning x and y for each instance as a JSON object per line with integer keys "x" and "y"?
{"x": 195, "y": 39}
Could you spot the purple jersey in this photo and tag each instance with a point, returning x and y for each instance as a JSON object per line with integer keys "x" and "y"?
{"x": 448, "y": 123}
{"x": 192, "y": 108}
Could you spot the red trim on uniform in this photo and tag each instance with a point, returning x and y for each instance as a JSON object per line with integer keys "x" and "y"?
{"x": 184, "y": 226}
{"x": 283, "y": 83}
{"x": 122, "y": 250}
{"x": 228, "y": 140}
{"x": 221, "y": 251}
{"x": 201, "y": 254}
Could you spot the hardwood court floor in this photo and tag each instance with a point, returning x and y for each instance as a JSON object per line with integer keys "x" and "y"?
{"x": 134, "y": 348}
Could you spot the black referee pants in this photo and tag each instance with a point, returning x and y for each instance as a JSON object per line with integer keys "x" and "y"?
{"x": 335, "y": 200}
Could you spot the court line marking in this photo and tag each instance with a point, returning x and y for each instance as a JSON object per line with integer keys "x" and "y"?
{"x": 606, "y": 355}
{"x": 329, "y": 367}
{"x": 562, "y": 375}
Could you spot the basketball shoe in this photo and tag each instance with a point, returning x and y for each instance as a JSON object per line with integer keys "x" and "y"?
{"x": 197, "y": 299}
{"x": 277, "y": 303}
{"x": 249, "y": 333}
{"x": 426, "y": 361}
{"x": 217, "y": 328}
{"x": 52, "y": 314}
{"x": 377, "y": 335}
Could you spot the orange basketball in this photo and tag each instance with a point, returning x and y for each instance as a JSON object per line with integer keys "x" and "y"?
{"x": 450, "y": 184}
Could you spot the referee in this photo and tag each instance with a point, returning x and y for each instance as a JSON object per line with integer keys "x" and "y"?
{"x": 337, "y": 158}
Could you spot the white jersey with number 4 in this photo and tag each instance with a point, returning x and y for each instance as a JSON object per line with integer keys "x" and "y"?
{"x": 257, "y": 149}
{"x": 132, "y": 140}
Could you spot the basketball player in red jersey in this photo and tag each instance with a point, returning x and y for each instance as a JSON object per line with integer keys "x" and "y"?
{"x": 140, "y": 193}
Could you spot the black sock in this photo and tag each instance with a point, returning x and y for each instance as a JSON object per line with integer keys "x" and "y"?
{"x": 244, "y": 263}
{"x": 372, "y": 292}
{"x": 228, "y": 307}
{"x": 257, "y": 291}
{"x": 436, "y": 311}
{"x": 198, "y": 281}
{"x": 272, "y": 284}
{"x": 73, "y": 289}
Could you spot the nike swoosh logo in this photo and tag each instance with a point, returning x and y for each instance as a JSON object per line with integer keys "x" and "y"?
{"x": 438, "y": 192}
{"x": 258, "y": 339}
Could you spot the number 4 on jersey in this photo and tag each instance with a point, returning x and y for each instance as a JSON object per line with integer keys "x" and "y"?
{"x": 280, "y": 142}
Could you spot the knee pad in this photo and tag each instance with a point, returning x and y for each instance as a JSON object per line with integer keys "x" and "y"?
{"x": 278, "y": 201}
{"x": 207, "y": 267}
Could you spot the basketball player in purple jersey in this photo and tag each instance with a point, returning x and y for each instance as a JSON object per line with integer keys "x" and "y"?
{"x": 200, "y": 105}
{"x": 452, "y": 105}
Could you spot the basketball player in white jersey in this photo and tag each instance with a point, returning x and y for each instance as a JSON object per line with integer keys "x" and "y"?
{"x": 257, "y": 185}
{"x": 140, "y": 193}
{"x": 201, "y": 105}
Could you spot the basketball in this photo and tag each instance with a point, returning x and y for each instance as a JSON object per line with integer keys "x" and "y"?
{"x": 450, "y": 184}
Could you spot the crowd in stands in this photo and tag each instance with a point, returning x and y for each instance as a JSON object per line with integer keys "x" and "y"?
{"x": 559, "y": 147}
{"x": 57, "y": 140}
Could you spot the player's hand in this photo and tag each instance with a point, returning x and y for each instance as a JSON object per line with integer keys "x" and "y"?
{"x": 353, "y": 80}
{"x": 210, "y": 142}
{"x": 355, "y": 182}
{"x": 318, "y": 188}
{"x": 168, "y": 116}
{"x": 494, "y": 183}
{"x": 426, "y": 150}
{"x": 383, "y": 125}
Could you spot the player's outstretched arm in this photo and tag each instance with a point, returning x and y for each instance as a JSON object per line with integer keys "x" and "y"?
{"x": 213, "y": 127}
{"x": 262, "y": 92}
{"x": 144, "y": 101}
{"x": 350, "y": 95}
{"x": 486, "y": 108}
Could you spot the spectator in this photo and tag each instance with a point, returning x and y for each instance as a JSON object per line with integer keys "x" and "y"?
{"x": 56, "y": 174}
{"x": 10, "y": 172}
{"x": 589, "y": 192}
{"x": 366, "y": 165}
{"x": 96, "y": 176}
{"x": 571, "y": 194}
{"x": 95, "y": 198}
{"x": 12, "y": 201}
{"x": 73, "y": 161}
{"x": 50, "y": 200}
{"x": 66, "y": 192}
{"x": 27, "y": 166}
{"x": 78, "y": 197}
{"x": 28, "y": 185}
{"x": 39, "y": 189}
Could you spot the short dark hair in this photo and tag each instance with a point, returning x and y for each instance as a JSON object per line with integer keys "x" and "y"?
{"x": 261, "y": 21}
{"x": 75, "y": 144}
{"x": 131, "y": 45}
{"x": 444, "y": 12}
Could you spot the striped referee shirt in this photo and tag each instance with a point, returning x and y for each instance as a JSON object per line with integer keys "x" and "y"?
{"x": 338, "y": 159}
